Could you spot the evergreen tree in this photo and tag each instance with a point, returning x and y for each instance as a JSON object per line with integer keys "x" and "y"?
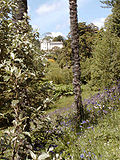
{"x": 114, "y": 19}
{"x": 106, "y": 61}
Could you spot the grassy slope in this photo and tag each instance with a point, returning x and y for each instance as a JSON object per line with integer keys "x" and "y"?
{"x": 64, "y": 101}
{"x": 67, "y": 101}
{"x": 103, "y": 140}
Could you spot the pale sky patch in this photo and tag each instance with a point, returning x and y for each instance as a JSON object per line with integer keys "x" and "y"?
{"x": 35, "y": 27}
{"x": 82, "y": 2}
{"x": 29, "y": 8}
{"x": 55, "y": 34}
{"x": 99, "y": 22}
{"x": 53, "y": 15}
{"x": 46, "y": 8}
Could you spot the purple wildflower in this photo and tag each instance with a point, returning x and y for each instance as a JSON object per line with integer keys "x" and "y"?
{"x": 105, "y": 112}
{"x": 78, "y": 133}
{"x": 82, "y": 155}
{"x": 90, "y": 127}
{"x": 83, "y": 122}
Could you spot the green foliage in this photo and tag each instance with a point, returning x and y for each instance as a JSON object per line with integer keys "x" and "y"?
{"x": 100, "y": 127}
{"x": 110, "y": 3}
{"x": 106, "y": 61}
{"x": 85, "y": 72}
{"x": 22, "y": 90}
{"x": 105, "y": 66}
{"x": 113, "y": 23}
{"x": 59, "y": 38}
{"x": 57, "y": 75}
{"x": 62, "y": 102}
{"x": 62, "y": 90}
{"x": 87, "y": 34}
{"x": 64, "y": 57}
{"x": 116, "y": 18}
{"x": 106, "y": 133}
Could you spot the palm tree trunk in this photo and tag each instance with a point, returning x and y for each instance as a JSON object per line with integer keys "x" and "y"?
{"x": 76, "y": 58}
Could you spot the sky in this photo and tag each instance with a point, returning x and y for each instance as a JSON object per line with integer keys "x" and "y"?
{"x": 53, "y": 15}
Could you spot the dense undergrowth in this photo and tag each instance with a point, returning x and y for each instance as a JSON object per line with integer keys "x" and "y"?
{"x": 97, "y": 137}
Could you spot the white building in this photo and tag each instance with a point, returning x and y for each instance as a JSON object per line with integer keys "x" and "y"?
{"x": 48, "y": 45}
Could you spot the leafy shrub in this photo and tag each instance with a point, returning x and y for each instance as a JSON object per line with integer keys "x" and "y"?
{"x": 62, "y": 90}
{"x": 22, "y": 89}
{"x": 57, "y": 75}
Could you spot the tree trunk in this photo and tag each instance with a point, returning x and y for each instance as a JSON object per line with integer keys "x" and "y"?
{"x": 22, "y": 8}
{"x": 76, "y": 59}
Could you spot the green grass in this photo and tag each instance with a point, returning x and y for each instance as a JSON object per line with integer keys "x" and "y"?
{"x": 87, "y": 92}
{"x": 103, "y": 140}
{"x": 64, "y": 101}
{"x": 67, "y": 101}
{"x": 99, "y": 143}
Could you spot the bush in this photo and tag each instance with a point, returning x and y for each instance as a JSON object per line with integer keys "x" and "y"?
{"x": 57, "y": 75}
{"x": 22, "y": 89}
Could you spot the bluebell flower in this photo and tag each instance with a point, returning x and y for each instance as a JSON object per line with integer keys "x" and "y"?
{"x": 82, "y": 155}
{"x": 72, "y": 129}
{"x": 52, "y": 152}
{"x": 88, "y": 127}
{"x": 89, "y": 153}
{"x": 105, "y": 112}
{"x": 88, "y": 110}
{"x": 78, "y": 133}
{"x": 83, "y": 122}
{"x": 93, "y": 154}
{"x": 90, "y": 141}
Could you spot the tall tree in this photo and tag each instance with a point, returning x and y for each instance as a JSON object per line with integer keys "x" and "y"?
{"x": 87, "y": 35}
{"x": 76, "y": 58}
{"x": 114, "y": 19}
